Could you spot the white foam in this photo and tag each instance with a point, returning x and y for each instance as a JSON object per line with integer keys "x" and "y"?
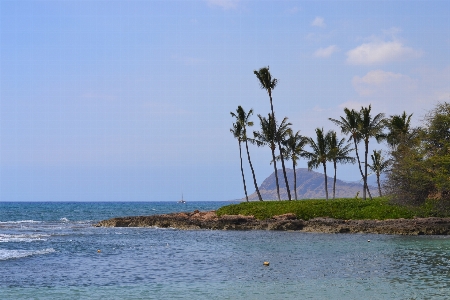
{"x": 20, "y": 222}
{"x": 64, "y": 220}
{"x": 5, "y": 238}
{"x": 12, "y": 254}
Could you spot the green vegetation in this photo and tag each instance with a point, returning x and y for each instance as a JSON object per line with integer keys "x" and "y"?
{"x": 346, "y": 209}
{"x": 421, "y": 160}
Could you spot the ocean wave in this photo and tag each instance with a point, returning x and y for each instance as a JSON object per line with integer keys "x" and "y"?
{"x": 5, "y": 238}
{"x": 64, "y": 220}
{"x": 20, "y": 222}
{"x": 12, "y": 254}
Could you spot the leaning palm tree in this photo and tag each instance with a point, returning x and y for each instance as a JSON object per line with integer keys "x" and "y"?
{"x": 294, "y": 149}
{"x": 266, "y": 137}
{"x": 282, "y": 131}
{"x": 349, "y": 124}
{"x": 369, "y": 127}
{"x": 237, "y": 133}
{"x": 320, "y": 153}
{"x": 378, "y": 166}
{"x": 339, "y": 153}
{"x": 243, "y": 119}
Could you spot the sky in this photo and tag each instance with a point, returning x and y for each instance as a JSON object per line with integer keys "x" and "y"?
{"x": 131, "y": 100}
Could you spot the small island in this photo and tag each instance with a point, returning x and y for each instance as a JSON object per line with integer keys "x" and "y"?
{"x": 335, "y": 216}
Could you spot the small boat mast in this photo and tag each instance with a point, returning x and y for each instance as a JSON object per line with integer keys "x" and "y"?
{"x": 182, "y": 199}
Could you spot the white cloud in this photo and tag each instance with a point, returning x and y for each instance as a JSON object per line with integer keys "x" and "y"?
{"x": 379, "y": 52}
{"x": 378, "y": 80}
{"x": 318, "y": 22}
{"x": 325, "y": 52}
{"x": 225, "y": 4}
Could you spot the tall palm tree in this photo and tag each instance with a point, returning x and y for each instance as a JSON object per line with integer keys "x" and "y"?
{"x": 282, "y": 131}
{"x": 243, "y": 119}
{"x": 398, "y": 129}
{"x": 369, "y": 127}
{"x": 294, "y": 149}
{"x": 268, "y": 83}
{"x": 349, "y": 124}
{"x": 237, "y": 133}
{"x": 379, "y": 165}
{"x": 339, "y": 153}
{"x": 266, "y": 137}
{"x": 320, "y": 153}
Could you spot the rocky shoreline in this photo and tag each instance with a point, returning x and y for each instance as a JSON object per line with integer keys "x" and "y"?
{"x": 209, "y": 220}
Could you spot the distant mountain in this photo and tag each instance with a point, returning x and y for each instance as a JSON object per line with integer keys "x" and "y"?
{"x": 310, "y": 185}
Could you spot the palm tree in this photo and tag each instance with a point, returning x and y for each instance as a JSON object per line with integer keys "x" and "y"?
{"x": 282, "y": 131}
{"x": 243, "y": 119}
{"x": 320, "y": 153}
{"x": 294, "y": 149}
{"x": 267, "y": 83}
{"x": 399, "y": 129}
{"x": 237, "y": 133}
{"x": 266, "y": 137}
{"x": 339, "y": 153}
{"x": 369, "y": 127}
{"x": 350, "y": 125}
{"x": 379, "y": 165}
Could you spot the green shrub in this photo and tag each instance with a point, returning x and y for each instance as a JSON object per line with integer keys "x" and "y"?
{"x": 356, "y": 209}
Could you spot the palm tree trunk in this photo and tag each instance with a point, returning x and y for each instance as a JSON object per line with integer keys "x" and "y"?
{"x": 326, "y": 180}
{"x": 368, "y": 192}
{"x": 334, "y": 182}
{"x": 378, "y": 181}
{"x": 295, "y": 179}
{"x": 284, "y": 171}
{"x": 242, "y": 171}
{"x": 359, "y": 165}
{"x": 276, "y": 173}
{"x": 366, "y": 187}
{"x": 253, "y": 172}
{"x": 271, "y": 105}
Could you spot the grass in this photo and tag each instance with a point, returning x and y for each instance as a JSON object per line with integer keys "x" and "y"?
{"x": 345, "y": 208}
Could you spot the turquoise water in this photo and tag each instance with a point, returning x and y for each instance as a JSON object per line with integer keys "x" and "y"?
{"x": 49, "y": 251}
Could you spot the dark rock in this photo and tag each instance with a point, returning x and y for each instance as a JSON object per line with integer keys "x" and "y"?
{"x": 209, "y": 220}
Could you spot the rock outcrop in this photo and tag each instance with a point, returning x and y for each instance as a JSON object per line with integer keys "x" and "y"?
{"x": 209, "y": 220}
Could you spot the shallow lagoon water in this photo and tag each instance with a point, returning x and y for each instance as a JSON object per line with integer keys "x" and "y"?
{"x": 49, "y": 251}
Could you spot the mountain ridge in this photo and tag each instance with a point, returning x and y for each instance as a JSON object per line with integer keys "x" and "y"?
{"x": 310, "y": 185}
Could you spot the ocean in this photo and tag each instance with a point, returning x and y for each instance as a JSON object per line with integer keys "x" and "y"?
{"x": 52, "y": 251}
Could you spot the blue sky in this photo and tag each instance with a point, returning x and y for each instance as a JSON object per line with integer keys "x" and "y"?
{"x": 130, "y": 100}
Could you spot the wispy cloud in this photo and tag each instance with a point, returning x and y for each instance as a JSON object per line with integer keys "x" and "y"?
{"x": 325, "y": 52}
{"x": 225, "y": 4}
{"x": 381, "y": 80}
{"x": 379, "y": 52}
{"x": 318, "y": 22}
{"x": 293, "y": 10}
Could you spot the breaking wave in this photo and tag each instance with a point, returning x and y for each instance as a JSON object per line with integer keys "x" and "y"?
{"x": 12, "y": 254}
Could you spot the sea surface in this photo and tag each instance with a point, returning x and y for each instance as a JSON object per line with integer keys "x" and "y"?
{"x": 50, "y": 251}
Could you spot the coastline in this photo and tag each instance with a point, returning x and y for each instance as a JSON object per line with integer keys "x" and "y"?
{"x": 288, "y": 222}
